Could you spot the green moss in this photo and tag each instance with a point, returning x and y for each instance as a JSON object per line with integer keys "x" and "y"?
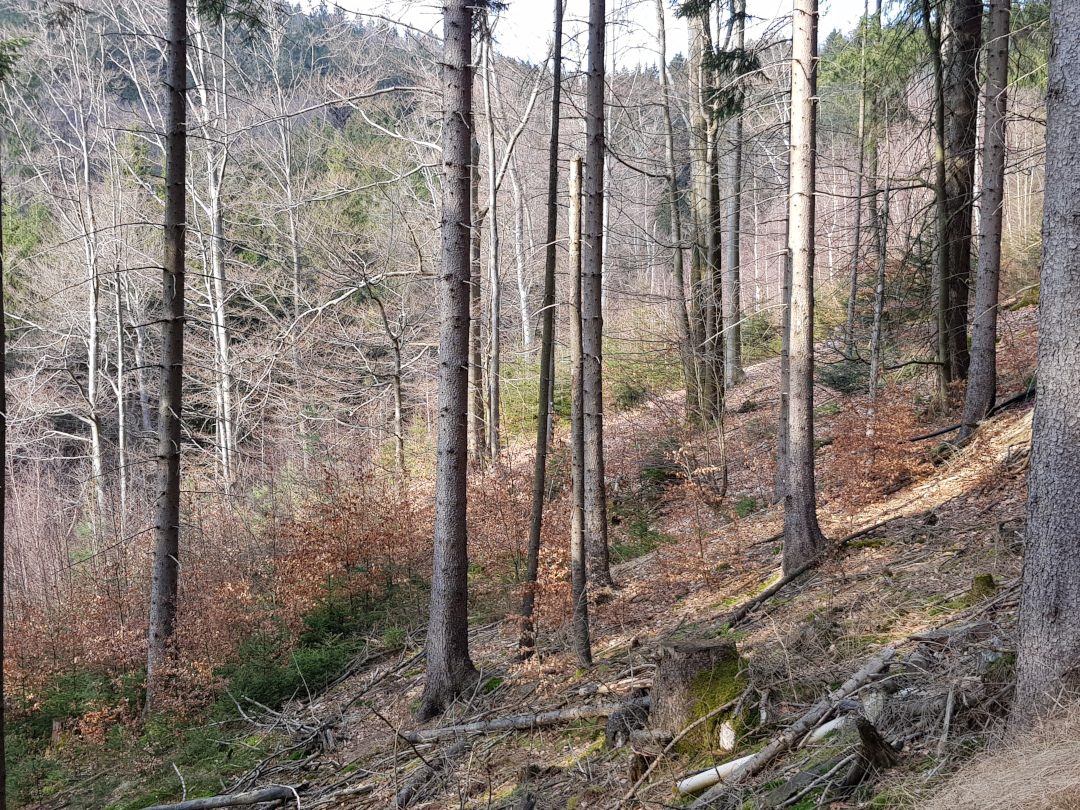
{"x": 982, "y": 586}
{"x": 876, "y": 542}
{"x": 709, "y": 690}
{"x": 745, "y": 505}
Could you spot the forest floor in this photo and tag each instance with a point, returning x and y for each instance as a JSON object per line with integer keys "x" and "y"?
{"x": 936, "y": 579}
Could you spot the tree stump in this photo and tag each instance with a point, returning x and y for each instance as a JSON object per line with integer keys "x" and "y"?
{"x": 692, "y": 678}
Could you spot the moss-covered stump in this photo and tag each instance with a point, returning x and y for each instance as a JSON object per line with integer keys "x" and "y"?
{"x": 692, "y": 679}
{"x": 982, "y": 587}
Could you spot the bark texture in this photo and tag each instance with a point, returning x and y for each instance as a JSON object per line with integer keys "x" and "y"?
{"x": 733, "y": 368}
{"x": 477, "y": 435}
{"x": 3, "y": 481}
{"x": 578, "y": 574}
{"x": 449, "y": 668}
{"x": 1049, "y": 646}
{"x": 932, "y": 30}
{"x": 592, "y": 317}
{"x": 802, "y": 536}
{"x": 684, "y": 667}
{"x": 982, "y": 379}
{"x": 547, "y": 342}
{"x": 962, "y": 40}
{"x": 164, "y": 585}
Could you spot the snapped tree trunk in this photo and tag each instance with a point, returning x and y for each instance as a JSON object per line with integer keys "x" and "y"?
{"x": 802, "y": 537}
{"x": 592, "y": 317}
{"x": 449, "y": 668}
{"x": 547, "y": 347}
{"x": 163, "y": 588}
{"x": 982, "y": 381}
{"x": 578, "y": 571}
{"x": 1049, "y": 645}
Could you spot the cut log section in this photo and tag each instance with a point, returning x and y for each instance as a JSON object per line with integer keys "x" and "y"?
{"x": 270, "y": 794}
{"x": 520, "y": 722}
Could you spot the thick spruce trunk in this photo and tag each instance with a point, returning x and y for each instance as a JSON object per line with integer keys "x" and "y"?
{"x": 1049, "y": 645}
{"x": 164, "y": 585}
{"x": 982, "y": 379}
{"x": 449, "y": 669}
{"x": 592, "y": 318}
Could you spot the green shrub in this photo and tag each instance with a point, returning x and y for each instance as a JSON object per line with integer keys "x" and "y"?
{"x": 641, "y": 539}
{"x": 745, "y": 505}
{"x": 845, "y": 376}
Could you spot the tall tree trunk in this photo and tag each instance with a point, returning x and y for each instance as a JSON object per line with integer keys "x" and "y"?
{"x": 93, "y": 388}
{"x": 213, "y": 113}
{"x": 698, "y": 187}
{"x": 449, "y": 668}
{"x": 121, "y": 403}
{"x": 856, "y": 253}
{"x": 163, "y": 589}
{"x": 802, "y": 537}
{"x": 879, "y": 287}
{"x": 1048, "y": 650}
{"x": 547, "y": 347}
{"x": 592, "y": 329}
{"x": 982, "y": 382}
{"x": 682, "y": 315}
{"x": 494, "y": 277}
{"x": 519, "y": 263}
{"x": 477, "y": 435}
{"x": 783, "y": 430}
{"x": 963, "y": 37}
{"x": 578, "y": 574}
{"x": 932, "y": 30}
{"x": 733, "y": 368}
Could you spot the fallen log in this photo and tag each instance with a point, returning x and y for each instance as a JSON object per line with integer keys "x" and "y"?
{"x": 521, "y": 722}
{"x": 268, "y": 794}
{"x": 1023, "y": 396}
{"x": 763, "y": 758}
{"x": 743, "y": 610}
